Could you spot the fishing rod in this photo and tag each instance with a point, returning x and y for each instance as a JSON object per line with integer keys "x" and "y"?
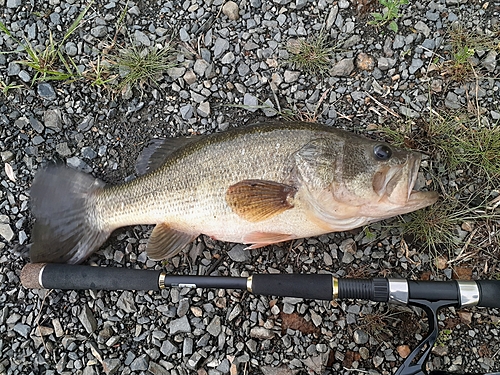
{"x": 430, "y": 296}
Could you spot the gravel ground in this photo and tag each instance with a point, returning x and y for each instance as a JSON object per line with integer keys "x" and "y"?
{"x": 228, "y": 57}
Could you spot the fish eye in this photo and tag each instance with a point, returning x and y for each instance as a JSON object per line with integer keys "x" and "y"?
{"x": 382, "y": 152}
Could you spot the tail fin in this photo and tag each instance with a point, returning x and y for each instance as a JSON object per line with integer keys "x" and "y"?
{"x": 65, "y": 231}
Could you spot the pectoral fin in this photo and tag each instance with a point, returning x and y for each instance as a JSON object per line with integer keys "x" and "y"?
{"x": 166, "y": 242}
{"x": 261, "y": 239}
{"x": 257, "y": 200}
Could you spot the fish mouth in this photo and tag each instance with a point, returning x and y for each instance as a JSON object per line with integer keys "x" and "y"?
{"x": 400, "y": 188}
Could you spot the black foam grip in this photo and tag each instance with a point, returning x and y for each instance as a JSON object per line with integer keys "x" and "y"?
{"x": 294, "y": 285}
{"x": 66, "y": 276}
{"x": 368, "y": 289}
{"x": 489, "y": 293}
{"x": 434, "y": 290}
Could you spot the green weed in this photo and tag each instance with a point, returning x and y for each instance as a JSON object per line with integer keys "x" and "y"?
{"x": 5, "y": 88}
{"x": 139, "y": 66}
{"x": 50, "y": 63}
{"x": 311, "y": 55}
{"x": 462, "y": 142}
{"x": 389, "y": 14}
{"x": 464, "y": 43}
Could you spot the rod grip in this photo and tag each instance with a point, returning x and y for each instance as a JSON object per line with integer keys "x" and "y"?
{"x": 489, "y": 293}
{"x": 376, "y": 290}
{"x": 294, "y": 285}
{"x": 71, "y": 277}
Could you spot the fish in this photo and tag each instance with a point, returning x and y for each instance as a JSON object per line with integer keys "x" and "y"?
{"x": 257, "y": 185}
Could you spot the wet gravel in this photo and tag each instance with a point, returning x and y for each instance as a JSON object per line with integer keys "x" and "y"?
{"x": 232, "y": 58}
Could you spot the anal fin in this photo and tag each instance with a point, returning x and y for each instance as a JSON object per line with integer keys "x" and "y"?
{"x": 258, "y": 200}
{"x": 261, "y": 239}
{"x": 166, "y": 242}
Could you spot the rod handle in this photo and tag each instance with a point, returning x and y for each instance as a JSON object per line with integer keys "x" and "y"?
{"x": 313, "y": 286}
{"x": 489, "y": 293}
{"x": 77, "y": 277}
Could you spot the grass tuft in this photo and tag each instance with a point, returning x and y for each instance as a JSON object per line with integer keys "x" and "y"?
{"x": 311, "y": 55}
{"x": 50, "y": 63}
{"x": 139, "y": 66}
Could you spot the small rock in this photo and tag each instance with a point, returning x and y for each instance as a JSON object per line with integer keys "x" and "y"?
{"x": 261, "y": 333}
{"x": 24, "y": 75}
{"x": 156, "y": 369}
{"x": 440, "y": 350}
{"x": 87, "y": 319}
{"x": 416, "y": 64}
{"x": 228, "y": 58}
{"x": 203, "y": 109}
{"x": 142, "y": 38}
{"x": 14, "y": 3}
{"x": 239, "y": 254}
{"x": 176, "y": 72}
{"x": 214, "y": 328}
{"x": 6, "y": 232}
{"x": 46, "y": 91}
{"x": 111, "y": 366}
{"x": 135, "y": 11}
{"x": 360, "y": 337}
{"x": 490, "y": 61}
{"x": 269, "y": 110}
{"x": 343, "y": 68}
{"x": 71, "y": 49}
{"x": 36, "y": 125}
{"x": 231, "y": 10}
{"x": 63, "y": 149}
{"x": 126, "y": 302}
{"x": 403, "y": 350}
{"x": 365, "y": 61}
{"x": 421, "y": 27}
{"x": 6, "y": 157}
{"x": 189, "y": 77}
{"x": 200, "y": 66}
{"x": 452, "y": 101}
{"x": 52, "y": 119}
{"x": 180, "y": 325}
{"x": 99, "y": 31}
{"x": 385, "y": 63}
{"x": 167, "y": 348}
{"x": 187, "y": 347}
{"x": 22, "y": 329}
{"x": 140, "y": 363}
{"x": 332, "y": 16}
{"x": 251, "y": 102}
{"x": 186, "y": 111}
{"x": 221, "y": 46}
{"x": 184, "y": 35}
{"x": 408, "y": 112}
{"x": 465, "y": 317}
{"x": 377, "y": 360}
{"x": 291, "y": 76}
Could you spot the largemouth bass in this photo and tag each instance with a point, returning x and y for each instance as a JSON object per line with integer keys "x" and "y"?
{"x": 256, "y": 185}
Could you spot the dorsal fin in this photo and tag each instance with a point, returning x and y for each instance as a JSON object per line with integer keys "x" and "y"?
{"x": 158, "y": 151}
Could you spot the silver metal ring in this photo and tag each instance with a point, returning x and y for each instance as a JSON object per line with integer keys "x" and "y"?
{"x": 469, "y": 292}
{"x": 398, "y": 291}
